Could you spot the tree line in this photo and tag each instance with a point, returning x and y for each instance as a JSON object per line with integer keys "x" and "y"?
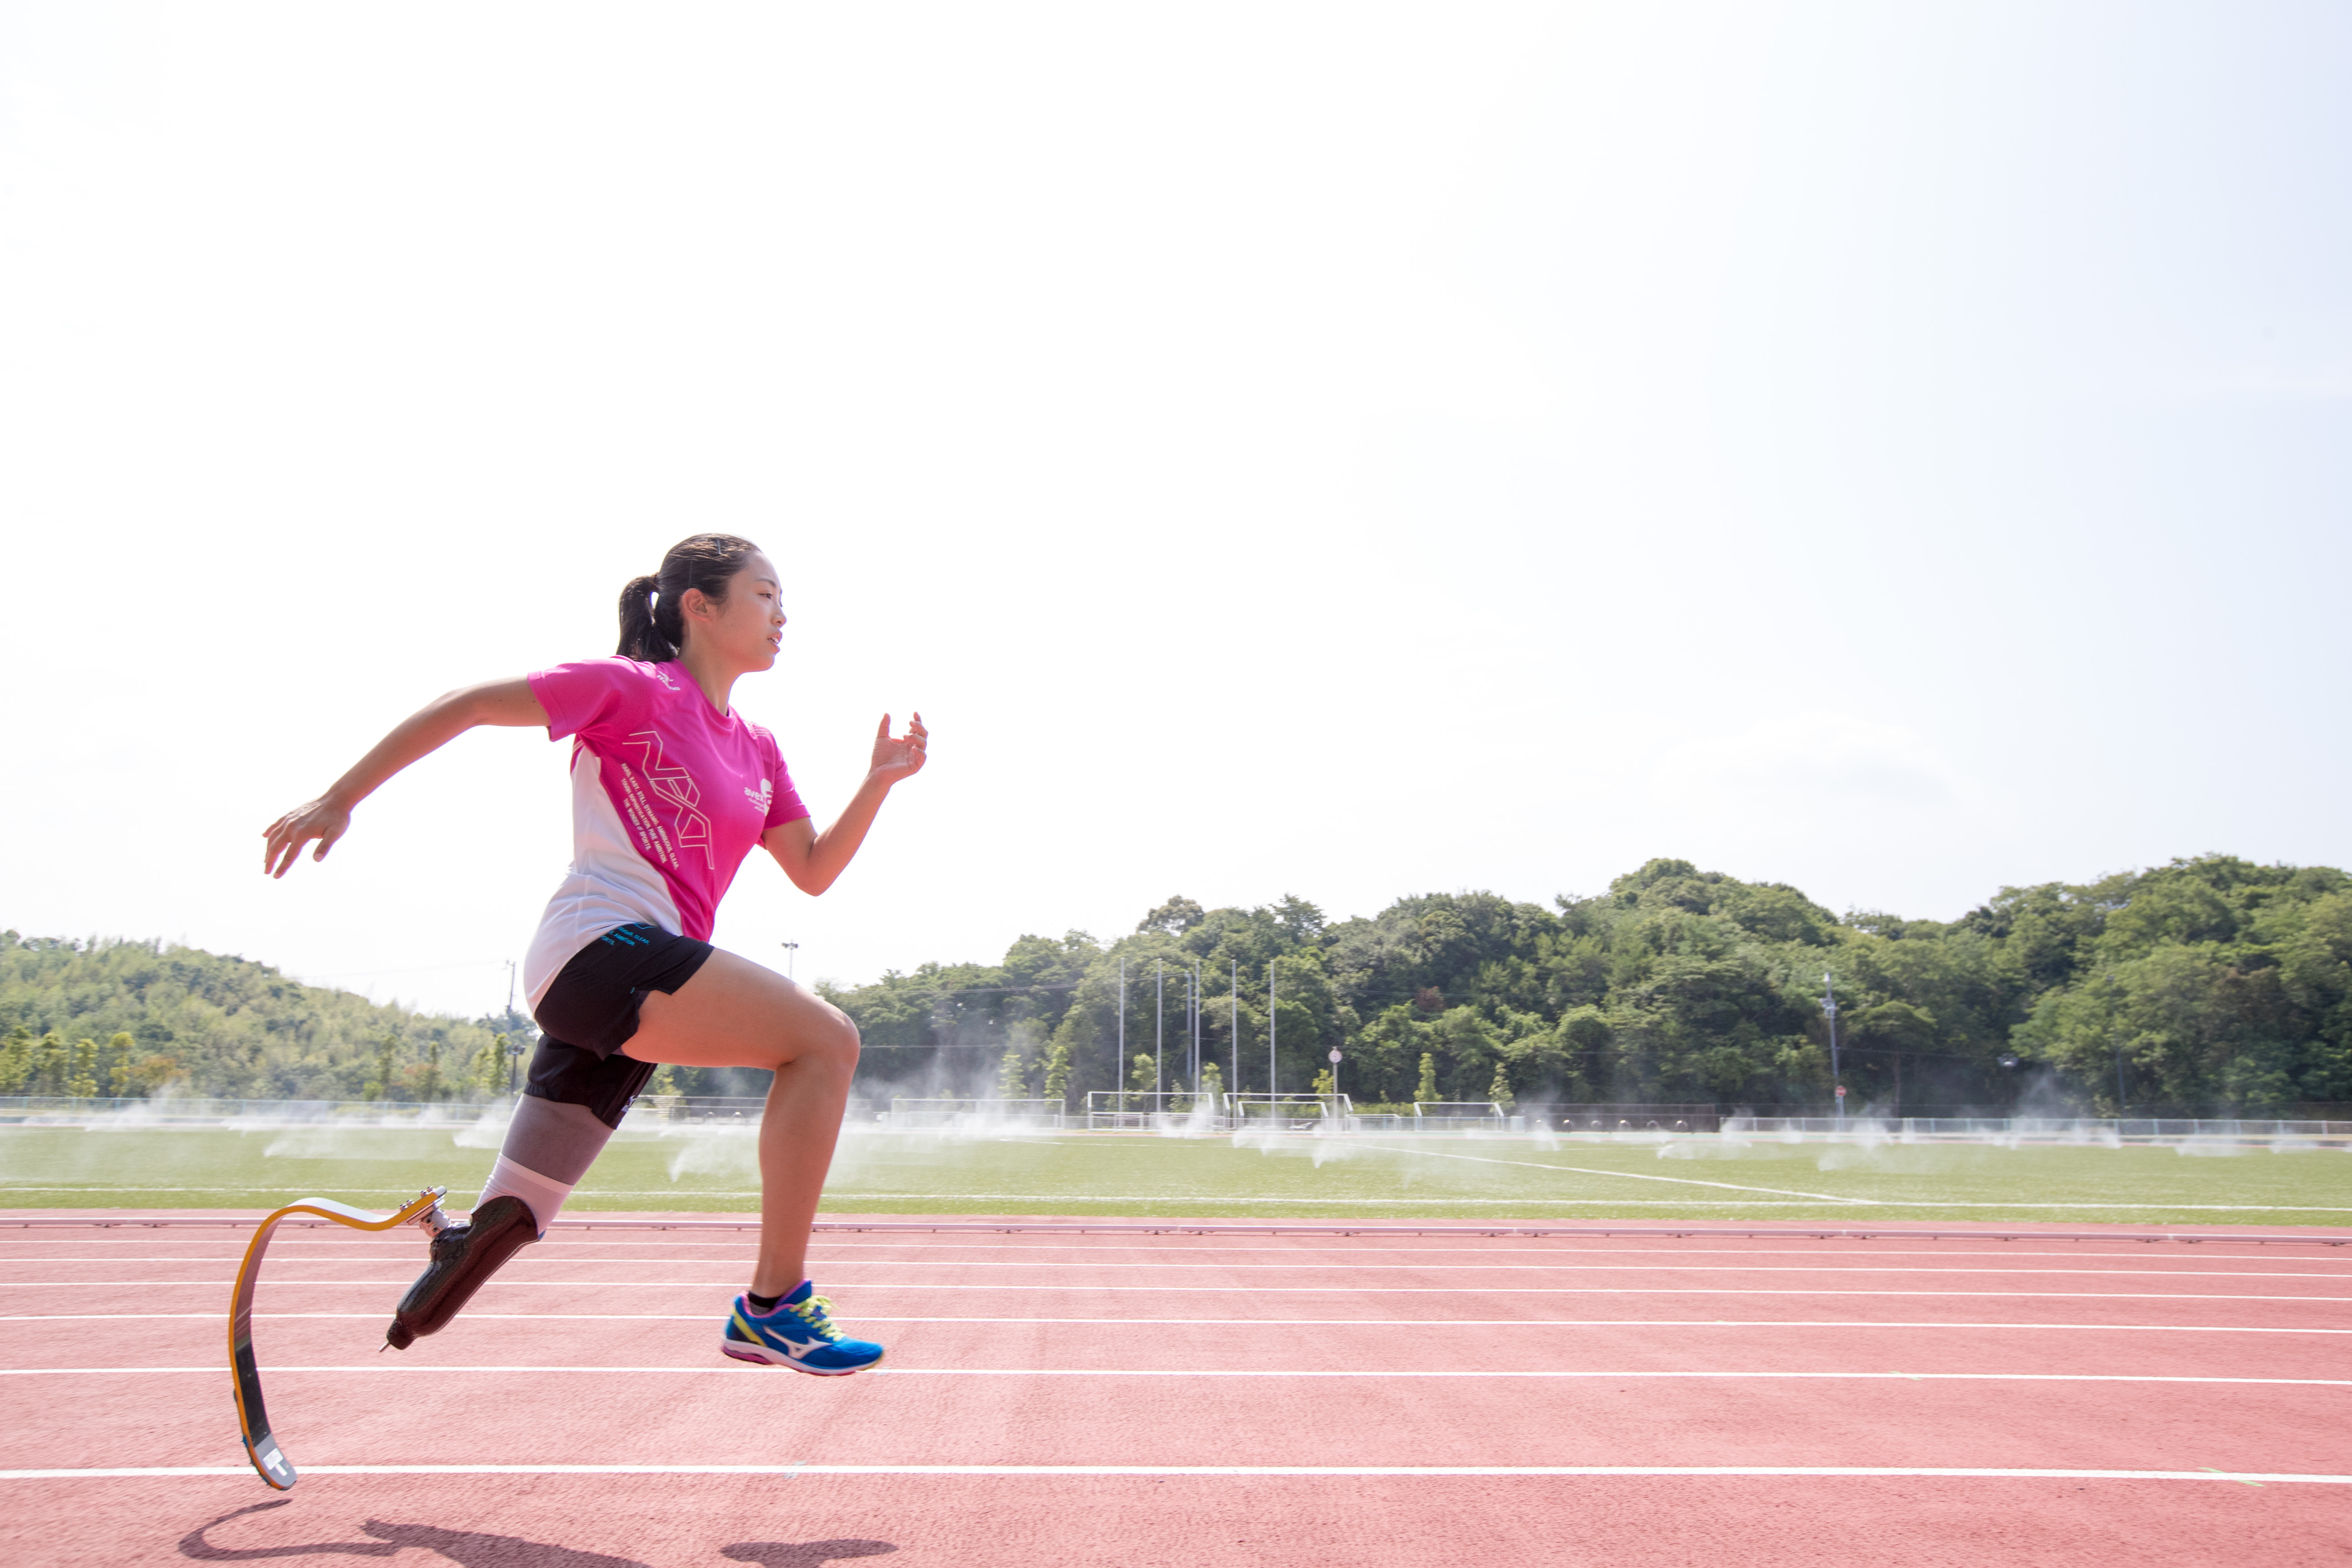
{"x": 112, "y": 1018}
{"x": 2204, "y": 987}
{"x": 2208, "y": 986}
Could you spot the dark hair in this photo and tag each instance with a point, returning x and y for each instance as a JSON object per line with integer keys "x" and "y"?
{"x": 653, "y": 618}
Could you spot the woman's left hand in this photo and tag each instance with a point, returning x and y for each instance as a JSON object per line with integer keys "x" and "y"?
{"x": 900, "y": 757}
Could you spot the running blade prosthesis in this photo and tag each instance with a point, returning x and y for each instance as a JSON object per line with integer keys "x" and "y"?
{"x": 252, "y": 1418}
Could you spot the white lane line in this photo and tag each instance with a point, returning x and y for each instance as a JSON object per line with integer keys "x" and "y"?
{"x": 1309, "y": 1266}
{"x": 1409, "y": 1472}
{"x": 1223, "y": 1322}
{"x": 413, "y": 1368}
{"x": 732, "y": 1283}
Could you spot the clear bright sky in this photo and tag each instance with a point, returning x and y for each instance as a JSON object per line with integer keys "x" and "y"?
{"x": 1349, "y": 451}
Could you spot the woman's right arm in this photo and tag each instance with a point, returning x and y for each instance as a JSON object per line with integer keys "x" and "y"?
{"x": 427, "y": 730}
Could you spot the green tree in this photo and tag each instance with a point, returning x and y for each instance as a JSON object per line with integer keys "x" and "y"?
{"x": 1425, "y": 1092}
{"x": 114, "y": 1069}
{"x": 1012, "y": 1073}
{"x": 81, "y": 1082}
{"x": 380, "y": 1086}
{"x": 16, "y": 1061}
{"x": 1499, "y": 1091}
{"x": 1057, "y": 1071}
{"x": 488, "y": 1074}
{"x": 51, "y": 1064}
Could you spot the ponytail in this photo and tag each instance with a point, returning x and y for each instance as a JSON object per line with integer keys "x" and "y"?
{"x": 652, "y": 609}
{"x": 641, "y": 638}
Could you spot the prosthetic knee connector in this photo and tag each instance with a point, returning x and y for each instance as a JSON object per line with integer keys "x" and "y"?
{"x": 464, "y": 1257}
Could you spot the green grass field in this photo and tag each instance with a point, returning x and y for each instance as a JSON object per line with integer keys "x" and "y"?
{"x": 1298, "y": 1177}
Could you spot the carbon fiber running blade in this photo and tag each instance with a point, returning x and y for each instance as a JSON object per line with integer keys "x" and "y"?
{"x": 252, "y": 1416}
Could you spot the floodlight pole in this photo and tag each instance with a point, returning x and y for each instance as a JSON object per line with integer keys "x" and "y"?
{"x": 1273, "y": 1085}
{"x": 1119, "y": 1076}
{"x": 1159, "y": 1029}
{"x": 1234, "y": 1019}
{"x": 1829, "y": 1011}
{"x": 792, "y": 956}
{"x": 1195, "y": 1004}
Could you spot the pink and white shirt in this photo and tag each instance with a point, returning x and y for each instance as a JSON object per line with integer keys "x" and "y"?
{"x": 667, "y": 796}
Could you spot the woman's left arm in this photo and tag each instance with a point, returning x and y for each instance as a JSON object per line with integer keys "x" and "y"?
{"x": 813, "y": 859}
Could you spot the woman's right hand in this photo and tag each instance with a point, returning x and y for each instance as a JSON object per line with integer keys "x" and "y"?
{"x": 321, "y": 819}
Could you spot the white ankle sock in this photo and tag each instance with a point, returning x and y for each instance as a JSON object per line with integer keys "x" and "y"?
{"x": 543, "y": 1196}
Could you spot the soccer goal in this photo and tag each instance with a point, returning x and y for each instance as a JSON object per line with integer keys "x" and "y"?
{"x": 1130, "y": 1110}
{"x": 1290, "y": 1112}
{"x": 1459, "y": 1116}
{"x": 976, "y": 1113}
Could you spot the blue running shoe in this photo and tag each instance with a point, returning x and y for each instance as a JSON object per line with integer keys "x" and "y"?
{"x": 798, "y": 1334}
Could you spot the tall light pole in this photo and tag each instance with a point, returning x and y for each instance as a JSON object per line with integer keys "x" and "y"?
{"x": 1235, "y": 1018}
{"x": 1195, "y": 1004}
{"x": 1159, "y": 1029}
{"x": 1273, "y": 1072}
{"x": 1119, "y": 1067}
{"x": 1829, "y": 1011}
{"x": 792, "y": 956}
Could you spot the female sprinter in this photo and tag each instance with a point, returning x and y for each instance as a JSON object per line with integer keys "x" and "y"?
{"x": 670, "y": 789}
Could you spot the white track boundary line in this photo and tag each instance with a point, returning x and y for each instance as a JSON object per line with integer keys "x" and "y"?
{"x": 1409, "y": 1472}
{"x": 732, "y": 1283}
{"x": 1284, "y": 1244}
{"x": 1223, "y": 1322}
{"x": 413, "y": 1370}
{"x": 370, "y": 1195}
{"x": 559, "y": 1261}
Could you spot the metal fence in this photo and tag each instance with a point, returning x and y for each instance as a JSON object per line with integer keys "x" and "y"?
{"x": 1114, "y": 1110}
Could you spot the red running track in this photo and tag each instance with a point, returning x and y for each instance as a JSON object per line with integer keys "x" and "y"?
{"x": 1181, "y": 1399}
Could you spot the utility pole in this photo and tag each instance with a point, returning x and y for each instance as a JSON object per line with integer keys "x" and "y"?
{"x": 1159, "y": 1029}
{"x": 1235, "y": 1018}
{"x": 1829, "y": 1011}
{"x": 1119, "y": 1067}
{"x": 792, "y": 956}
{"x": 514, "y": 1050}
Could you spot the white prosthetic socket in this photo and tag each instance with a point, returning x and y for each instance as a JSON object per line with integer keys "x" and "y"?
{"x": 543, "y": 1196}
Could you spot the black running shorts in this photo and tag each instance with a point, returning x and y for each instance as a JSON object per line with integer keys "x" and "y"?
{"x": 591, "y": 1012}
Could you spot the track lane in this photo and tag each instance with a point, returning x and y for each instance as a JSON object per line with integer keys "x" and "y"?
{"x": 973, "y": 1414}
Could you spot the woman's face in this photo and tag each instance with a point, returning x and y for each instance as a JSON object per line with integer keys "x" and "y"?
{"x": 746, "y": 628}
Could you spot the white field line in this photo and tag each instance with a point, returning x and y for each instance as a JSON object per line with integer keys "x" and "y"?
{"x": 1407, "y": 1472}
{"x": 1223, "y": 1322}
{"x": 1623, "y": 1175}
{"x": 1308, "y": 1266}
{"x": 400, "y": 1369}
{"x": 732, "y": 1283}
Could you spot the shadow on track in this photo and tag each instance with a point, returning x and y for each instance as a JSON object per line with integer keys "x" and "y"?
{"x": 803, "y": 1553}
{"x": 468, "y": 1548}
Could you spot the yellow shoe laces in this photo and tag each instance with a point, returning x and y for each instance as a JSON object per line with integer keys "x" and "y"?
{"x": 813, "y": 1312}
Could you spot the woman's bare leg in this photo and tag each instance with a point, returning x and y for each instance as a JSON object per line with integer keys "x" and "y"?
{"x": 734, "y": 1014}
